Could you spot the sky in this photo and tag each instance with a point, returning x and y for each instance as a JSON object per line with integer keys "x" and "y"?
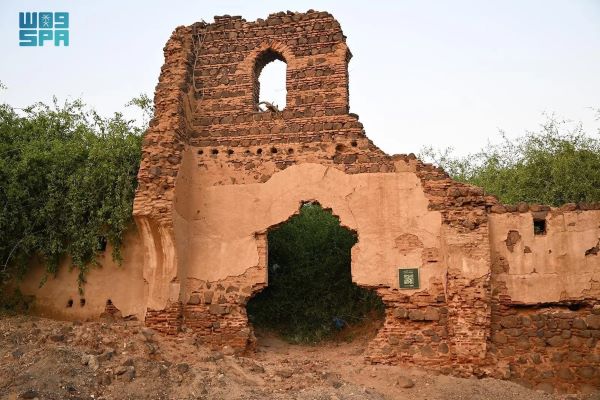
{"x": 423, "y": 73}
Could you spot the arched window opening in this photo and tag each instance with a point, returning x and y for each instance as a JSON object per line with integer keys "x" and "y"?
{"x": 270, "y": 82}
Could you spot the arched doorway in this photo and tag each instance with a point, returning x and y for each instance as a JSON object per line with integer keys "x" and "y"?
{"x": 310, "y": 295}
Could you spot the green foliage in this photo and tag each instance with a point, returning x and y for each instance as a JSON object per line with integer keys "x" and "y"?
{"x": 309, "y": 279}
{"x": 557, "y": 165}
{"x": 67, "y": 181}
{"x": 145, "y": 104}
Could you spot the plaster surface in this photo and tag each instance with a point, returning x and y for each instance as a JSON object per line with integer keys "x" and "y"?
{"x": 123, "y": 284}
{"x": 217, "y": 173}
{"x": 550, "y": 267}
{"x": 387, "y": 210}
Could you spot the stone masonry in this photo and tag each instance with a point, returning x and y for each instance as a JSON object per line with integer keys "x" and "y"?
{"x": 208, "y": 133}
{"x": 506, "y": 291}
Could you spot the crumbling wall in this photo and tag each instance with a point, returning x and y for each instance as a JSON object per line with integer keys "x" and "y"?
{"x": 217, "y": 174}
{"x": 226, "y": 245}
{"x": 546, "y": 285}
{"x": 446, "y": 327}
{"x": 546, "y": 346}
{"x": 560, "y": 264}
{"x": 109, "y": 286}
{"x": 227, "y": 192}
{"x": 162, "y": 150}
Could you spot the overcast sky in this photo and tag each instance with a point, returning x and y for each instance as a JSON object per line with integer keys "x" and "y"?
{"x": 441, "y": 73}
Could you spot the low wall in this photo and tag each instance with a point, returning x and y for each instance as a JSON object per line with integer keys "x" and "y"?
{"x": 123, "y": 285}
{"x": 546, "y": 348}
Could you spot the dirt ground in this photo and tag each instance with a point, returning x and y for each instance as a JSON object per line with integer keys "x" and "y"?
{"x": 48, "y": 359}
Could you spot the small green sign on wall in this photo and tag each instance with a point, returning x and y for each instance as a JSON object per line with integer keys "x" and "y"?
{"x": 409, "y": 278}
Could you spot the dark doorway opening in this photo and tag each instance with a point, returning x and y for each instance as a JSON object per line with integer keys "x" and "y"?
{"x": 310, "y": 296}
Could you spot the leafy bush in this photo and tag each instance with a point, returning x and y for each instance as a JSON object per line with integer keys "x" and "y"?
{"x": 67, "y": 181}
{"x": 557, "y": 165}
{"x": 310, "y": 282}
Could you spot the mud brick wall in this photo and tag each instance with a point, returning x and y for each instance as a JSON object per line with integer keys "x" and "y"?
{"x": 465, "y": 233}
{"x": 232, "y": 142}
{"x": 165, "y": 139}
{"x": 497, "y": 297}
{"x": 209, "y": 134}
{"x": 314, "y": 126}
{"x": 547, "y": 347}
{"x": 110, "y": 311}
{"x": 167, "y": 321}
{"x": 216, "y": 311}
{"x": 415, "y": 329}
{"x": 546, "y": 314}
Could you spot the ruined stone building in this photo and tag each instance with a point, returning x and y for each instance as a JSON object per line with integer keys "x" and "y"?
{"x": 505, "y": 291}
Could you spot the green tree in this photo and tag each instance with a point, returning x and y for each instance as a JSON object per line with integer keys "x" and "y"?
{"x": 556, "y": 165}
{"x": 310, "y": 282}
{"x": 67, "y": 181}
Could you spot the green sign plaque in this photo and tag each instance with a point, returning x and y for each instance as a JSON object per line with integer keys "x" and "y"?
{"x": 409, "y": 278}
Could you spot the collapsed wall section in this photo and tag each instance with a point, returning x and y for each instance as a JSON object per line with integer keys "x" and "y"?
{"x": 215, "y": 140}
{"x": 211, "y": 186}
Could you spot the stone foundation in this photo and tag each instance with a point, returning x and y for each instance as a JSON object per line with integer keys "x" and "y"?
{"x": 547, "y": 347}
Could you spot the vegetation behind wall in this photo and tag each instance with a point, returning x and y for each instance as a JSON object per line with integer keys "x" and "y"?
{"x": 311, "y": 294}
{"x": 67, "y": 181}
{"x": 558, "y": 164}
{"x": 68, "y": 178}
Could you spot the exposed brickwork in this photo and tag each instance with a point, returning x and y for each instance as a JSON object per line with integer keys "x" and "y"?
{"x": 446, "y": 328}
{"x": 217, "y": 314}
{"x": 110, "y": 311}
{"x": 167, "y": 321}
{"x": 165, "y": 139}
{"x": 546, "y": 347}
{"x": 540, "y": 208}
{"x": 206, "y": 110}
{"x": 415, "y": 329}
{"x": 216, "y": 311}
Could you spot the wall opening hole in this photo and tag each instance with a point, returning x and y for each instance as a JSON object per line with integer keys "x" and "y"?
{"x": 340, "y": 147}
{"x": 290, "y": 151}
{"x": 270, "y": 82}
{"x": 229, "y": 151}
{"x": 247, "y": 152}
{"x": 273, "y": 150}
{"x": 200, "y": 152}
{"x": 354, "y": 143}
{"x": 102, "y": 243}
{"x": 311, "y": 296}
{"x": 70, "y": 303}
{"x": 539, "y": 226}
{"x": 82, "y": 302}
{"x": 214, "y": 151}
{"x": 259, "y": 151}
{"x": 109, "y": 302}
{"x": 574, "y": 307}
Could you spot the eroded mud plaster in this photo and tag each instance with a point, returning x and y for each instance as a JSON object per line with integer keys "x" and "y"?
{"x": 550, "y": 267}
{"x": 216, "y": 174}
{"x": 223, "y": 243}
{"x": 124, "y": 285}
